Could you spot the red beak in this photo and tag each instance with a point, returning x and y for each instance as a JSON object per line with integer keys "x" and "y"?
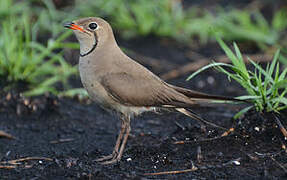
{"x": 73, "y": 26}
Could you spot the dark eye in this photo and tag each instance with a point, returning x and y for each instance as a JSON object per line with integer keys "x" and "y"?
{"x": 93, "y": 26}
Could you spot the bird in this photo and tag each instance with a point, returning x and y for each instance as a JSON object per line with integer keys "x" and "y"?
{"x": 119, "y": 84}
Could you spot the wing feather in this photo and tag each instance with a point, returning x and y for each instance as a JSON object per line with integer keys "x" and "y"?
{"x": 142, "y": 91}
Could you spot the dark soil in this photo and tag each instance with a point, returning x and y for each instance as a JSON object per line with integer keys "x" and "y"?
{"x": 73, "y": 133}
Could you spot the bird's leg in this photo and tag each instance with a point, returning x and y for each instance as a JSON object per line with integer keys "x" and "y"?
{"x": 118, "y": 143}
{"x": 116, "y": 148}
{"x": 125, "y": 138}
{"x": 127, "y": 127}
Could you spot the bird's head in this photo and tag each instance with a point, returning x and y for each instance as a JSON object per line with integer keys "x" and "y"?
{"x": 91, "y": 32}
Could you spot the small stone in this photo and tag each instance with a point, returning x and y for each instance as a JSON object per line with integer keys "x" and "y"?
{"x": 200, "y": 84}
{"x": 8, "y": 97}
{"x": 237, "y": 163}
{"x": 34, "y": 107}
{"x": 26, "y": 102}
{"x": 220, "y": 154}
{"x": 8, "y": 153}
{"x": 210, "y": 80}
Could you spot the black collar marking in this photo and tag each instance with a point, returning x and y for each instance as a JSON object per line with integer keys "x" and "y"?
{"x": 93, "y": 48}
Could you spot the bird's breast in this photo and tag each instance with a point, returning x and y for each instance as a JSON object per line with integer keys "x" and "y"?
{"x": 90, "y": 80}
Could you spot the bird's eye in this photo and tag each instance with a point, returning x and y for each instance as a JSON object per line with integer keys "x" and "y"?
{"x": 93, "y": 26}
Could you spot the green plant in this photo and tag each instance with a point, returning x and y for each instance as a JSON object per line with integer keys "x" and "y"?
{"x": 252, "y": 26}
{"x": 131, "y": 18}
{"x": 244, "y": 25}
{"x": 169, "y": 19}
{"x": 266, "y": 88}
{"x": 9, "y": 8}
{"x": 25, "y": 60}
{"x": 49, "y": 19}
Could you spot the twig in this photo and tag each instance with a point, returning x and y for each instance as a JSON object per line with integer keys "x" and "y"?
{"x": 226, "y": 133}
{"x": 199, "y": 155}
{"x": 6, "y": 135}
{"x": 180, "y": 126}
{"x": 16, "y": 161}
{"x": 194, "y": 168}
{"x": 193, "y": 66}
{"x": 279, "y": 164}
{"x": 7, "y": 167}
{"x": 252, "y": 157}
{"x": 281, "y": 127}
{"x": 268, "y": 154}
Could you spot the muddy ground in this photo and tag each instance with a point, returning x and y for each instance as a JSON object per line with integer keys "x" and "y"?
{"x": 61, "y": 137}
{"x": 69, "y": 134}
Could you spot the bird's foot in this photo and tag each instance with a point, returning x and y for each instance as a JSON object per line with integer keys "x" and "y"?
{"x": 103, "y": 158}
{"x": 109, "y": 159}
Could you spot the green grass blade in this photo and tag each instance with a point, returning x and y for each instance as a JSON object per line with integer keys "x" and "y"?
{"x": 274, "y": 61}
{"x": 241, "y": 112}
{"x": 205, "y": 68}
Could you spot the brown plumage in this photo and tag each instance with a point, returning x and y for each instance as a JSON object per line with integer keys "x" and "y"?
{"x": 118, "y": 83}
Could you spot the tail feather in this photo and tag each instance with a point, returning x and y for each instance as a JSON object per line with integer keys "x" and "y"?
{"x": 198, "y": 95}
{"x": 193, "y": 115}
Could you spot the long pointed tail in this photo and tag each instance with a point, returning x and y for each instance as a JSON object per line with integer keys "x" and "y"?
{"x": 198, "y": 95}
{"x": 193, "y": 115}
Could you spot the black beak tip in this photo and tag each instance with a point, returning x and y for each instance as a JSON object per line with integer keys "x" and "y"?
{"x": 68, "y": 24}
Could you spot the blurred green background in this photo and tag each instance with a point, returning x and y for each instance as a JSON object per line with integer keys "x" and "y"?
{"x": 33, "y": 40}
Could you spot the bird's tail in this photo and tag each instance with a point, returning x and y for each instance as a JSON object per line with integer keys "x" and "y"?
{"x": 193, "y": 115}
{"x": 202, "y": 96}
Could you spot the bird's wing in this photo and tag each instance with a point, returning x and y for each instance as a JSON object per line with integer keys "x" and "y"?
{"x": 201, "y": 96}
{"x": 142, "y": 91}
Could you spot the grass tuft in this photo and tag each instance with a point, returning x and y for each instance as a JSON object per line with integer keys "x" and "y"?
{"x": 266, "y": 88}
{"x": 39, "y": 67}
